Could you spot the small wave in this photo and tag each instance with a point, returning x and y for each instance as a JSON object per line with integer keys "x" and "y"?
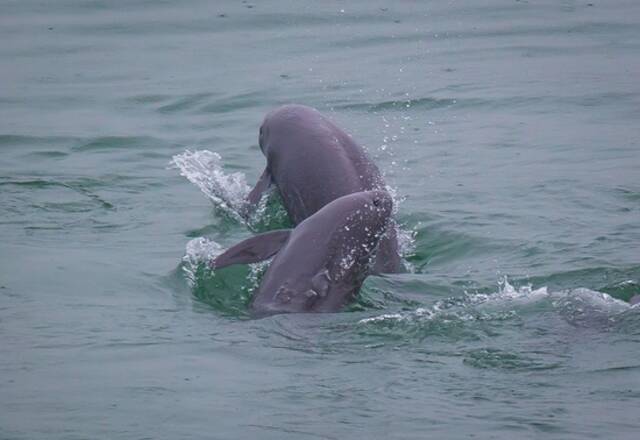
{"x": 52, "y": 154}
{"x": 578, "y": 306}
{"x": 14, "y": 140}
{"x": 184, "y": 103}
{"x": 425, "y": 103}
{"x": 494, "y": 358}
{"x": 233, "y": 103}
{"x": 117, "y": 142}
{"x": 79, "y": 186}
{"x": 204, "y": 169}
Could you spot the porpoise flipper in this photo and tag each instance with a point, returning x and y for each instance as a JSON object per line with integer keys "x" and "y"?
{"x": 254, "y": 249}
{"x": 263, "y": 184}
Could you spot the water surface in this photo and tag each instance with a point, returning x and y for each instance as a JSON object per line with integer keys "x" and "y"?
{"x": 509, "y": 130}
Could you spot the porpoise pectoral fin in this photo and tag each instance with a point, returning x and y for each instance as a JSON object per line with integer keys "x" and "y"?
{"x": 254, "y": 249}
{"x": 264, "y": 182}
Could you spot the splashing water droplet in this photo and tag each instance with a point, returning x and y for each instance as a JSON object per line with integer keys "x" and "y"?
{"x": 198, "y": 251}
{"x": 204, "y": 169}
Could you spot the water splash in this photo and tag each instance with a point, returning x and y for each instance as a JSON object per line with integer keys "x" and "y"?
{"x": 198, "y": 252}
{"x": 228, "y": 192}
{"x": 508, "y": 294}
{"x": 228, "y": 291}
{"x": 204, "y": 169}
{"x": 406, "y": 236}
{"x": 256, "y": 272}
{"x": 406, "y": 245}
{"x": 578, "y": 306}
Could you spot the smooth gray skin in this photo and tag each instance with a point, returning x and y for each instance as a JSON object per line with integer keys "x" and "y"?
{"x": 321, "y": 264}
{"x": 313, "y": 162}
{"x": 635, "y": 299}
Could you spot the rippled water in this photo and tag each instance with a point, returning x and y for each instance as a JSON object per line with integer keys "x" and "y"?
{"x": 509, "y": 130}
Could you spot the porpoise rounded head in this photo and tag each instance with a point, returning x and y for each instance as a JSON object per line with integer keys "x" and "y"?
{"x": 286, "y": 119}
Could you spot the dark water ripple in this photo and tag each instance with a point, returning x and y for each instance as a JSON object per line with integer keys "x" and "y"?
{"x": 529, "y": 104}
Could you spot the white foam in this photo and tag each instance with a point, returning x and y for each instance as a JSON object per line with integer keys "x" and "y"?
{"x": 507, "y": 293}
{"x": 198, "y": 251}
{"x": 204, "y": 169}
